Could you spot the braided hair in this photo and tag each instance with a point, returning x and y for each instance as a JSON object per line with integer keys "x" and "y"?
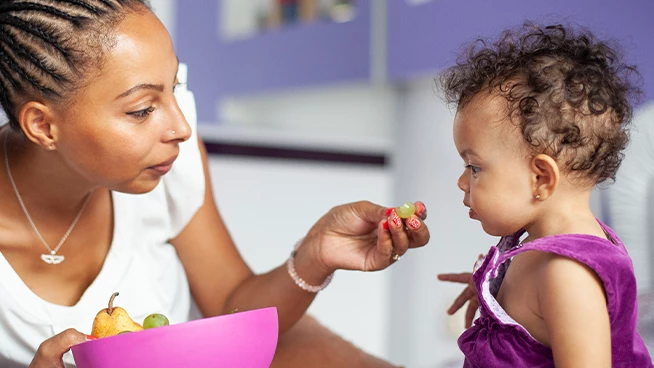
{"x": 49, "y": 47}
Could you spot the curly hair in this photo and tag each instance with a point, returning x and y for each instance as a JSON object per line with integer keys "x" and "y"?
{"x": 48, "y": 47}
{"x": 569, "y": 93}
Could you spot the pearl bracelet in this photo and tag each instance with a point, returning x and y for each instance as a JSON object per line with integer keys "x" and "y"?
{"x": 290, "y": 265}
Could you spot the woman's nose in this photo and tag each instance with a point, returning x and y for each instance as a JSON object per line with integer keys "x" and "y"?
{"x": 180, "y": 126}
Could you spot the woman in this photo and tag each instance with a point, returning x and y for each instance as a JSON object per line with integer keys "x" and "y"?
{"x": 87, "y": 86}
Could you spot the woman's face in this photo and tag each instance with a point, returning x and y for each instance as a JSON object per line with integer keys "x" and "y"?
{"x": 118, "y": 130}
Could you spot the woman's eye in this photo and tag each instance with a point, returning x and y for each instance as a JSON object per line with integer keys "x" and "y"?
{"x": 474, "y": 169}
{"x": 141, "y": 114}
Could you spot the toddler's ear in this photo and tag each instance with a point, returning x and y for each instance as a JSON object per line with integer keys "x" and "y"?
{"x": 545, "y": 176}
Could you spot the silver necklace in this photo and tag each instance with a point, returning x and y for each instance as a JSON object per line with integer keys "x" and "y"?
{"x": 51, "y": 258}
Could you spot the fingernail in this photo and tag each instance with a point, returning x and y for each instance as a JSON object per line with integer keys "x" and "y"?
{"x": 397, "y": 221}
{"x": 420, "y": 208}
{"x": 385, "y": 224}
{"x": 389, "y": 211}
{"x": 413, "y": 223}
{"x": 90, "y": 338}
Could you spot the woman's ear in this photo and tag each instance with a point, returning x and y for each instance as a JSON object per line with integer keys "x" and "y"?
{"x": 545, "y": 176}
{"x": 35, "y": 120}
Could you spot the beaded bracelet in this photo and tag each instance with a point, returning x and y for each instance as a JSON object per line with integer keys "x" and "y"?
{"x": 290, "y": 265}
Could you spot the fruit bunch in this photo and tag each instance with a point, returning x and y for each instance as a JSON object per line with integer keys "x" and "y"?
{"x": 112, "y": 321}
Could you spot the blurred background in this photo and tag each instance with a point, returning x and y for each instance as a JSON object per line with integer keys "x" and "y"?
{"x": 307, "y": 104}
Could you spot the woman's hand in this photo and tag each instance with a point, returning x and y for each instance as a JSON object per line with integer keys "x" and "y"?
{"x": 469, "y": 295}
{"x": 52, "y": 350}
{"x": 364, "y": 236}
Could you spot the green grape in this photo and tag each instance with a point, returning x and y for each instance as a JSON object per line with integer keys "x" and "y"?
{"x": 155, "y": 320}
{"x": 406, "y": 210}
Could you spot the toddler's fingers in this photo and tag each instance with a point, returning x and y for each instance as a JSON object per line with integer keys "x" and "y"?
{"x": 460, "y": 301}
{"x": 470, "y": 313}
{"x": 463, "y": 278}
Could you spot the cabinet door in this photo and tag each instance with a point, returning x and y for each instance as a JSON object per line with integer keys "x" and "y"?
{"x": 297, "y": 55}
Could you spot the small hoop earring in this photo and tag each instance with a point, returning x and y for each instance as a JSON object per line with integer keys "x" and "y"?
{"x": 537, "y": 196}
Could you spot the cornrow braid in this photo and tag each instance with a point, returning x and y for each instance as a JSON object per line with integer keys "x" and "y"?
{"x": 48, "y": 48}
{"x": 11, "y": 62}
{"x": 22, "y": 50}
{"x": 31, "y": 28}
{"x": 82, "y": 4}
{"x": 46, "y": 9}
{"x": 108, "y": 3}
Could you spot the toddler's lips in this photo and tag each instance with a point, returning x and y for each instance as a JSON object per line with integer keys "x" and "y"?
{"x": 472, "y": 214}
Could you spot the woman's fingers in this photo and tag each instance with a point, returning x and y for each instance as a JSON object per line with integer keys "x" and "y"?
{"x": 407, "y": 233}
{"x": 421, "y": 210}
{"x": 52, "y": 350}
{"x": 418, "y": 232}
{"x": 384, "y": 240}
{"x": 399, "y": 235}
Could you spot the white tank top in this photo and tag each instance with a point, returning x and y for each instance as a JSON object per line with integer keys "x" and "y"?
{"x": 141, "y": 264}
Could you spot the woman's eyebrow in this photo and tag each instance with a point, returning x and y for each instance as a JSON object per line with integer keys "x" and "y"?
{"x": 142, "y": 86}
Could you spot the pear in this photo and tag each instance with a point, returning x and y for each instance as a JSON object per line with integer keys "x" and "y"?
{"x": 113, "y": 320}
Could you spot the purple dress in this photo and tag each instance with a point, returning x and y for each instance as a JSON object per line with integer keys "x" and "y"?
{"x": 496, "y": 340}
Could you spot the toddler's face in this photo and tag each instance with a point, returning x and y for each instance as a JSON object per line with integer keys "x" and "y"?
{"x": 497, "y": 180}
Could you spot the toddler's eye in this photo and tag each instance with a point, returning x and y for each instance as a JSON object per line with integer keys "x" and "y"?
{"x": 474, "y": 169}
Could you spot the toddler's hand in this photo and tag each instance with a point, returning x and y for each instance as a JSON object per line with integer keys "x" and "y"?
{"x": 469, "y": 295}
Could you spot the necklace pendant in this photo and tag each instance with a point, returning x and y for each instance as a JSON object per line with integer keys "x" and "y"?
{"x": 52, "y": 259}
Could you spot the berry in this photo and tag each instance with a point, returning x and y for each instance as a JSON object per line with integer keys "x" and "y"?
{"x": 406, "y": 210}
{"x": 155, "y": 320}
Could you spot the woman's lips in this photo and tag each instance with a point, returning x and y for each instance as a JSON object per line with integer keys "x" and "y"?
{"x": 163, "y": 167}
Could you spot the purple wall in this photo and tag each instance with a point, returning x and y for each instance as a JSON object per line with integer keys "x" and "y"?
{"x": 421, "y": 40}
{"x": 299, "y": 55}
{"x": 425, "y": 38}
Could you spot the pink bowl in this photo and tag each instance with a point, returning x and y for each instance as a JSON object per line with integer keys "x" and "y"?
{"x": 244, "y": 340}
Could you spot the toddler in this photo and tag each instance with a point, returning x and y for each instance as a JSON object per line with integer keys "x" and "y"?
{"x": 542, "y": 116}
